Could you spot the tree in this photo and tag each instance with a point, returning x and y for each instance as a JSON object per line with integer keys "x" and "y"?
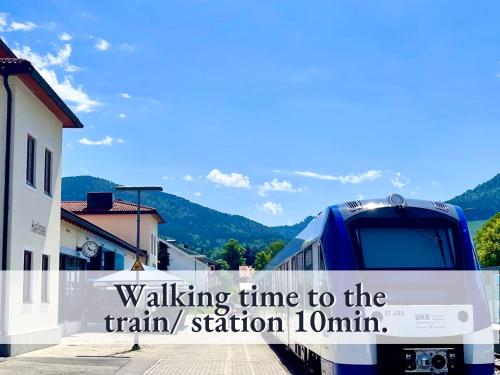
{"x": 274, "y": 248}
{"x": 232, "y": 253}
{"x": 221, "y": 264}
{"x": 261, "y": 260}
{"x": 488, "y": 242}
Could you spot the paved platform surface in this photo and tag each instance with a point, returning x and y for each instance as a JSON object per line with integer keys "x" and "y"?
{"x": 68, "y": 358}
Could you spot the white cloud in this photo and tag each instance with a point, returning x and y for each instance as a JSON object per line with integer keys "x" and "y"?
{"x": 14, "y": 25}
{"x": 276, "y": 185}
{"x": 68, "y": 92}
{"x": 197, "y": 193}
{"x": 3, "y": 20}
{"x": 361, "y": 197}
{"x": 78, "y": 99}
{"x": 106, "y": 141}
{"x": 188, "y": 178}
{"x": 101, "y": 45}
{"x": 122, "y": 115}
{"x": 399, "y": 180}
{"x": 126, "y": 47}
{"x": 271, "y": 208}
{"x": 435, "y": 183}
{"x": 65, "y": 36}
{"x": 166, "y": 178}
{"x": 125, "y": 95}
{"x": 236, "y": 180}
{"x": 22, "y": 26}
{"x": 351, "y": 178}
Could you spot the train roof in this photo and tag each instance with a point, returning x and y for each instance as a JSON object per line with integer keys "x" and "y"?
{"x": 313, "y": 231}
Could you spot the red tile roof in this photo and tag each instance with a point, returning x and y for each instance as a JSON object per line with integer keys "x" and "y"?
{"x": 119, "y": 207}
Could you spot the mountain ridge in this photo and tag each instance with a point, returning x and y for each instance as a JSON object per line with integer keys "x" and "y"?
{"x": 201, "y": 228}
{"x": 205, "y": 229}
{"x": 480, "y": 202}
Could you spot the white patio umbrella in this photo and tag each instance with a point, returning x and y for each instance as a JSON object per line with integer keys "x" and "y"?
{"x": 152, "y": 277}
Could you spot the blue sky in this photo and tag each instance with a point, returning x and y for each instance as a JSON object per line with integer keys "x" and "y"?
{"x": 273, "y": 110}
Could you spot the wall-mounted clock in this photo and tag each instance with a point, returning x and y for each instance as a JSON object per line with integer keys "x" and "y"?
{"x": 90, "y": 249}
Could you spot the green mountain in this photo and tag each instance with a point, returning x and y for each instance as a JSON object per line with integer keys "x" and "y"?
{"x": 482, "y": 202}
{"x": 201, "y": 228}
{"x": 204, "y": 229}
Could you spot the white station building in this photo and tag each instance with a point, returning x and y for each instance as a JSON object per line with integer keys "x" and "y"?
{"x": 33, "y": 117}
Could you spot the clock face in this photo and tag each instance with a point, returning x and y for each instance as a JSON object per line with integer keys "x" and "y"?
{"x": 90, "y": 249}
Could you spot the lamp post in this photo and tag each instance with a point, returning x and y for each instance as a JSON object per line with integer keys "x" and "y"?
{"x": 138, "y": 189}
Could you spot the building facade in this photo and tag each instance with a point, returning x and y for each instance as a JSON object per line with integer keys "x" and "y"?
{"x": 120, "y": 218}
{"x": 33, "y": 117}
{"x": 185, "y": 263}
{"x": 113, "y": 253}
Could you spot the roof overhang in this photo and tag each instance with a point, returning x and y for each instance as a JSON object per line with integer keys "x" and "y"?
{"x": 76, "y": 220}
{"x": 11, "y": 65}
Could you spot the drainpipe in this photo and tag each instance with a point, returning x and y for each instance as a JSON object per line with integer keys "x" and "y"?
{"x": 6, "y": 193}
{"x": 6, "y": 204}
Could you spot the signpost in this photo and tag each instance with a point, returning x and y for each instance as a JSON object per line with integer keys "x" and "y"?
{"x": 137, "y": 264}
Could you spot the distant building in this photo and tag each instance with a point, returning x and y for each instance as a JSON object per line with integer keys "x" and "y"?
{"x": 185, "y": 263}
{"x": 32, "y": 118}
{"x": 246, "y": 271}
{"x": 182, "y": 258}
{"x": 120, "y": 218}
{"x": 112, "y": 253}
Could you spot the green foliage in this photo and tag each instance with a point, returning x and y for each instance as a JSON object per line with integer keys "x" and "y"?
{"x": 262, "y": 258}
{"x": 483, "y": 201}
{"x": 232, "y": 253}
{"x": 199, "y": 227}
{"x": 274, "y": 248}
{"x": 488, "y": 242}
{"x": 221, "y": 264}
{"x": 474, "y": 226}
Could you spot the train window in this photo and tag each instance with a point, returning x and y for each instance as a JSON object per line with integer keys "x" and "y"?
{"x": 294, "y": 263}
{"x": 321, "y": 259}
{"x": 308, "y": 259}
{"x": 300, "y": 261}
{"x": 407, "y": 247}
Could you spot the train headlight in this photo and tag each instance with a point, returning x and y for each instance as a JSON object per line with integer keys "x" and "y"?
{"x": 429, "y": 360}
{"x": 396, "y": 200}
{"x": 438, "y": 361}
{"x": 424, "y": 362}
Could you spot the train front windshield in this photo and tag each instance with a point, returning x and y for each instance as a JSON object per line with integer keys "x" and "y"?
{"x": 406, "y": 247}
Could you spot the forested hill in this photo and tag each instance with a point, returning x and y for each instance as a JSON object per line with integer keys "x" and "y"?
{"x": 482, "y": 202}
{"x": 205, "y": 229}
{"x": 199, "y": 227}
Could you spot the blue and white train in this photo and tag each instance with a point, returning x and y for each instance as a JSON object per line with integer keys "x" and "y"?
{"x": 369, "y": 235}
